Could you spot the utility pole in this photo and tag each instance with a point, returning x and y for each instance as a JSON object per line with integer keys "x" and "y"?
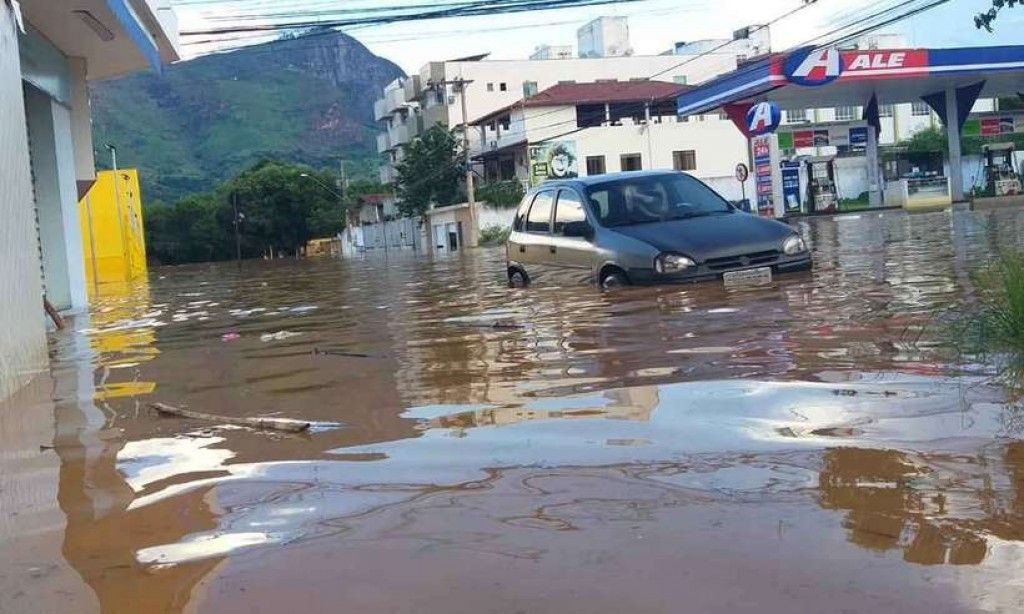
{"x": 344, "y": 182}
{"x": 238, "y": 233}
{"x": 461, "y": 84}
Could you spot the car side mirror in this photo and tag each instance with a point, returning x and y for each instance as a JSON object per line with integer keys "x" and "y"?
{"x": 578, "y": 229}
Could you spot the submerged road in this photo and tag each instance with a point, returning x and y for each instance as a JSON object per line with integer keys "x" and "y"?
{"x": 816, "y": 445}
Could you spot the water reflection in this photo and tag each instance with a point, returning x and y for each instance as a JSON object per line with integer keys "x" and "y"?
{"x": 934, "y": 508}
{"x": 831, "y": 389}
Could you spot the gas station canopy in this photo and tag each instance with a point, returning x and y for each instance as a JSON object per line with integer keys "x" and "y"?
{"x": 828, "y": 77}
{"x": 950, "y": 78}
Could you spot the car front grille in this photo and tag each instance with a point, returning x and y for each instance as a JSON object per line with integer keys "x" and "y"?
{"x": 742, "y": 261}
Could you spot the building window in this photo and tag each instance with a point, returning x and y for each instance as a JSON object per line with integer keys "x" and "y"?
{"x": 886, "y": 110}
{"x": 631, "y": 162}
{"x": 679, "y": 79}
{"x": 529, "y": 89}
{"x": 845, "y": 114}
{"x": 919, "y": 108}
{"x": 595, "y": 165}
{"x": 684, "y": 160}
{"x": 796, "y": 116}
{"x": 490, "y": 87}
{"x": 503, "y": 87}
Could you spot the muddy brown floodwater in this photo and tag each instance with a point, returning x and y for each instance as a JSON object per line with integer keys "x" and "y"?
{"x": 811, "y": 446}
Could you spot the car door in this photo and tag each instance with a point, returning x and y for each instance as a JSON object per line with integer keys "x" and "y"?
{"x": 533, "y": 245}
{"x": 572, "y": 256}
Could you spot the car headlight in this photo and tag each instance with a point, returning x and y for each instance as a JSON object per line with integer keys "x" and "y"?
{"x": 672, "y": 263}
{"x": 794, "y": 245}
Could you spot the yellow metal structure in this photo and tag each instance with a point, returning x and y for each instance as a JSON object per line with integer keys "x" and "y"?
{"x": 113, "y": 242}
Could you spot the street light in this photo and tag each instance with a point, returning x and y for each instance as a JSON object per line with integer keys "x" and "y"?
{"x": 324, "y": 186}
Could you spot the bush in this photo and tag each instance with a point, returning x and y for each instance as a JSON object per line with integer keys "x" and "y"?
{"x": 1001, "y": 317}
{"x": 494, "y": 235}
{"x": 501, "y": 193}
{"x": 993, "y": 330}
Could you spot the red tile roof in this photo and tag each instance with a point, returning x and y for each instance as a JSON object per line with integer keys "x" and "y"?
{"x": 599, "y": 92}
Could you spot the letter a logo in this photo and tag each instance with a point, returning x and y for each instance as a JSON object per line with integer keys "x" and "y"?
{"x": 813, "y": 66}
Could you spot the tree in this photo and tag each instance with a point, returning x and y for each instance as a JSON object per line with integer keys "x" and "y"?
{"x": 927, "y": 140}
{"x": 501, "y": 193}
{"x": 280, "y": 210}
{"x": 430, "y": 171}
{"x": 985, "y": 19}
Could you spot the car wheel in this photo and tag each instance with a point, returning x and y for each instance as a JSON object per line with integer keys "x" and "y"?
{"x": 613, "y": 278}
{"x": 517, "y": 278}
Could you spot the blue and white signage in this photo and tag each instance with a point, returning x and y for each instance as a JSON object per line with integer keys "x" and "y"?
{"x": 763, "y": 118}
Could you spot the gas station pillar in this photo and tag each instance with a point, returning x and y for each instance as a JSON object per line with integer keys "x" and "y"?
{"x": 874, "y": 179}
{"x": 956, "y": 173}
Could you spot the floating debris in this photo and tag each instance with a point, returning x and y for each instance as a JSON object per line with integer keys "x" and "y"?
{"x": 275, "y": 424}
{"x": 280, "y": 335}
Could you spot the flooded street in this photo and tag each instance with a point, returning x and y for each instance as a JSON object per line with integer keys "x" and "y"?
{"x": 814, "y": 446}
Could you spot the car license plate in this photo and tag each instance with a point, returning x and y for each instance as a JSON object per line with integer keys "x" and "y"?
{"x": 749, "y": 277}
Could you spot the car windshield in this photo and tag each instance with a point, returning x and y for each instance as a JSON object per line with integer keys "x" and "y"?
{"x": 654, "y": 198}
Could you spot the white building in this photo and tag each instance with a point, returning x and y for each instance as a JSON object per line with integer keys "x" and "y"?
{"x": 48, "y": 51}
{"x": 552, "y": 52}
{"x": 412, "y": 104}
{"x": 749, "y": 42}
{"x": 604, "y": 37}
{"x": 606, "y": 127}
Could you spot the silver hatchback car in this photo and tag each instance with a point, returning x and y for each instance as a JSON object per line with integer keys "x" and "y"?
{"x": 641, "y": 228}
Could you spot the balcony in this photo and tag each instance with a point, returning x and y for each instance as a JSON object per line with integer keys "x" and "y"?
{"x": 383, "y": 142}
{"x": 379, "y": 110}
{"x": 412, "y": 87}
{"x": 394, "y": 100}
{"x": 398, "y": 135}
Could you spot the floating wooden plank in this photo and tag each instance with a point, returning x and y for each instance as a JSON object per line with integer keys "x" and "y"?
{"x": 275, "y": 424}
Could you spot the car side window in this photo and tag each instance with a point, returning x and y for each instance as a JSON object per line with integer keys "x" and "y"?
{"x": 520, "y": 222}
{"x": 539, "y": 218}
{"x": 569, "y": 209}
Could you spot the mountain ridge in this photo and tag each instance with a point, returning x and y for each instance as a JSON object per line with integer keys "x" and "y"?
{"x": 307, "y": 99}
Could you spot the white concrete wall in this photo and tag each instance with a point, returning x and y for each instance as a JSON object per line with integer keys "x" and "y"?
{"x": 487, "y": 216}
{"x": 22, "y": 327}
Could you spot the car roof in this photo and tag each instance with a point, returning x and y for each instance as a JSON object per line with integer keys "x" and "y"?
{"x": 594, "y": 180}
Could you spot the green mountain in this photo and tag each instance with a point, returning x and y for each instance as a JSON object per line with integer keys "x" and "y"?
{"x": 307, "y": 99}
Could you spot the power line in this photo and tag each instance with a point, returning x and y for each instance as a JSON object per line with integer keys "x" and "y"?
{"x": 816, "y": 41}
{"x": 386, "y": 15}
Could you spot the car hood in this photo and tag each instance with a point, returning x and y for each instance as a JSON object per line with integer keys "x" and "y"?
{"x": 714, "y": 236}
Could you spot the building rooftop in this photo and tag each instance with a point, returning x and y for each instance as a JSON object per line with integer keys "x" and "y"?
{"x": 599, "y": 92}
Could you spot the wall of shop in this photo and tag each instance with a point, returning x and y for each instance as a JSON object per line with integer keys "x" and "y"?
{"x": 22, "y": 325}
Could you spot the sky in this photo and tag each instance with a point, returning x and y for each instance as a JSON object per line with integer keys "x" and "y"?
{"x": 655, "y": 25}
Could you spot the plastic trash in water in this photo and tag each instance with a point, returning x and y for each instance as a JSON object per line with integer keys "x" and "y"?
{"x": 280, "y": 335}
{"x": 231, "y": 336}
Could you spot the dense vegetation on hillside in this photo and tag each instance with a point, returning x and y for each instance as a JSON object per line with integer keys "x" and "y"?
{"x": 306, "y": 100}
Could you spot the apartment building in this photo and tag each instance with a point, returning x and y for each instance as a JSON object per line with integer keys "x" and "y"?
{"x": 49, "y": 49}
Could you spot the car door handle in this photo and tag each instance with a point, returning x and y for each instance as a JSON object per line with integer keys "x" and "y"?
{"x": 552, "y": 249}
